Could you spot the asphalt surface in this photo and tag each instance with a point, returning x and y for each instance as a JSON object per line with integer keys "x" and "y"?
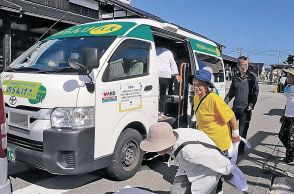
{"x": 260, "y": 163}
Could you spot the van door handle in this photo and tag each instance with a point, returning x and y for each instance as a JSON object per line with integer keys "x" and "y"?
{"x": 148, "y": 88}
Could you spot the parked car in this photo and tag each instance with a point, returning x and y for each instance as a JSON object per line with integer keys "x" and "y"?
{"x": 5, "y": 185}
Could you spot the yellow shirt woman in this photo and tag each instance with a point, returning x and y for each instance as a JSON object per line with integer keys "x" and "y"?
{"x": 213, "y": 116}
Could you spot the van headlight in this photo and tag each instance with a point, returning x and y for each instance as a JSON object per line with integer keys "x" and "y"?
{"x": 73, "y": 117}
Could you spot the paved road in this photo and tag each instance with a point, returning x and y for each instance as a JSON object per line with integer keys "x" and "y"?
{"x": 259, "y": 163}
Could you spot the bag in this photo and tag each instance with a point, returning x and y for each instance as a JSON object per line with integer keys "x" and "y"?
{"x": 201, "y": 102}
{"x": 194, "y": 142}
{"x": 193, "y": 119}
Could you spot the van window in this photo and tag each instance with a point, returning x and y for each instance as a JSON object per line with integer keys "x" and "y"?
{"x": 214, "y": 63}
{"x": 54, "y": 55}
{"x": 131, "y": 59}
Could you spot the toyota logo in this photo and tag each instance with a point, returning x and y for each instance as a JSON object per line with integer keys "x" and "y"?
{"x": 12, "y": 100}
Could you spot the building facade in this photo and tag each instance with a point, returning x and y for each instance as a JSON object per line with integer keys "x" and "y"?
{"x": 24, "y": 22}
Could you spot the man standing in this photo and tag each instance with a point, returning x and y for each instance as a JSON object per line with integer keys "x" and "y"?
{"x": 167, "y": 68}
{"x": 244, "y": 88}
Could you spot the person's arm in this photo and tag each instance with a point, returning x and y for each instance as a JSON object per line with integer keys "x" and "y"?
{"x": 235, "y": 130}
{"x": 231, "y": 93}
{"x": 254, "y": 93}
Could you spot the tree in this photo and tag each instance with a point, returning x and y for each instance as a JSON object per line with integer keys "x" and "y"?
{"x": 290, "y": 59}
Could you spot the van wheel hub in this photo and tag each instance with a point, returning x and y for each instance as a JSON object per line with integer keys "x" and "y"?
{"x": 129, "y": 155}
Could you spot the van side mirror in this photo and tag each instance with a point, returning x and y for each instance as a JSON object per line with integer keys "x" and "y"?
{"x": 91, "y": 58}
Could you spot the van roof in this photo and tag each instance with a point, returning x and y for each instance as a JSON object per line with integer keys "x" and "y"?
{"x": 131, "y": 22}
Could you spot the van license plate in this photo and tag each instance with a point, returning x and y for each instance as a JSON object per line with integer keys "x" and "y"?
{"x": 11, "y": 154}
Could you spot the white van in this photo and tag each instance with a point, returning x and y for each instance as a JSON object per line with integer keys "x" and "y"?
{"x": 84, "y": 98}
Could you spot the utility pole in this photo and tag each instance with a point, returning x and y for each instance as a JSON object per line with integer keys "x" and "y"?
{"x": 279, "y": 54}
{"x": 240, "y": 51}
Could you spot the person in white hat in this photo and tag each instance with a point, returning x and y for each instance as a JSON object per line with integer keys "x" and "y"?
{"x": 200, "y": 162}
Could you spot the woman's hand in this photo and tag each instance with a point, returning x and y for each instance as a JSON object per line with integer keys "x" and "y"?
{"x": 235, "y": 135}
{"x": 235, "y": 139}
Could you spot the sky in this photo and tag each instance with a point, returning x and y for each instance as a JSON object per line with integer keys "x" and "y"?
{"x": 263, "y": 30}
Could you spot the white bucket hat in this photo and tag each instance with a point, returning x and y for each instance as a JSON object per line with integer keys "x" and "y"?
{"x": 160, "y": 137}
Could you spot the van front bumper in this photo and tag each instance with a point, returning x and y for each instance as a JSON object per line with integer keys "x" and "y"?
{"x": 65, "y": 152}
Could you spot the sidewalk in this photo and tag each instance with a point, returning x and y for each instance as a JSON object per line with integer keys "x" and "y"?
{"x": 261, "y": 162}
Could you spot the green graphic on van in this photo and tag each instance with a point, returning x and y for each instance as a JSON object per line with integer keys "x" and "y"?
{"x": 33, "y": 91}
{"x": 143, "y": 32}
{"x": 41, "y": 94}
{"x": 95, "y": 29}
{"x": 21, "y": 89}
{"x": 204, "y": 47}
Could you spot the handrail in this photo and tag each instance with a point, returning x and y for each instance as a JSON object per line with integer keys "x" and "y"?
{"x": 183, "y": 78}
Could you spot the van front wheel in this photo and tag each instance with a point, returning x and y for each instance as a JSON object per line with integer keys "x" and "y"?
{"x": 127, "y": 155}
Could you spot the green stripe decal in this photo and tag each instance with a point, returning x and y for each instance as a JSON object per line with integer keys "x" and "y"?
{"x": 204, "y": 47}
{"x": 21, "y": 88}
{"x": 95, "y": 29}
{"x": 142, "y": 32}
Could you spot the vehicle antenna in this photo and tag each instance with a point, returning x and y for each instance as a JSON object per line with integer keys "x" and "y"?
{"x": 52, "y": 26}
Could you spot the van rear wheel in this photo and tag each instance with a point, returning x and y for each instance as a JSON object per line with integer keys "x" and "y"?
{"x": 127, "y": 155}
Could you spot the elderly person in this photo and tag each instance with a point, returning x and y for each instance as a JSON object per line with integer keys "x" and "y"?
{"x": 286, "y": 133}
{"x": 244, "y": 89}
{"x": 200, "y": 162}
{"x": 214, "y": 117}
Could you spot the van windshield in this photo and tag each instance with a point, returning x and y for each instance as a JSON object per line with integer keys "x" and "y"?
{"x": 55, "y": 55}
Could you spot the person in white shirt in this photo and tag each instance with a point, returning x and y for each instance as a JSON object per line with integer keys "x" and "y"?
{"x": 200, "y": 162}
{"x": 286, "y": 133}
{"x": 282, "y": 83}
{"x": 167, "y": 68}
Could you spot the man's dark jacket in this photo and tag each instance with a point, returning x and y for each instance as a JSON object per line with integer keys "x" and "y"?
{"x": 245, "y": 90}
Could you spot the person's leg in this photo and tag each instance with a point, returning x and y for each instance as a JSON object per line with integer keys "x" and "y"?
{"x": 181, "y": 185}
{"x": 170, "y": 86}
{"x": 290, "y": 146}
{"x": 284, "y": 133}
{"x": 219, "y": 187}
{"x": 163, "y": 84}
{"x": 243, "y": 127}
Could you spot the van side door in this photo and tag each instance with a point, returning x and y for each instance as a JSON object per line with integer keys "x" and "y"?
{"x": 127, "y": 92}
